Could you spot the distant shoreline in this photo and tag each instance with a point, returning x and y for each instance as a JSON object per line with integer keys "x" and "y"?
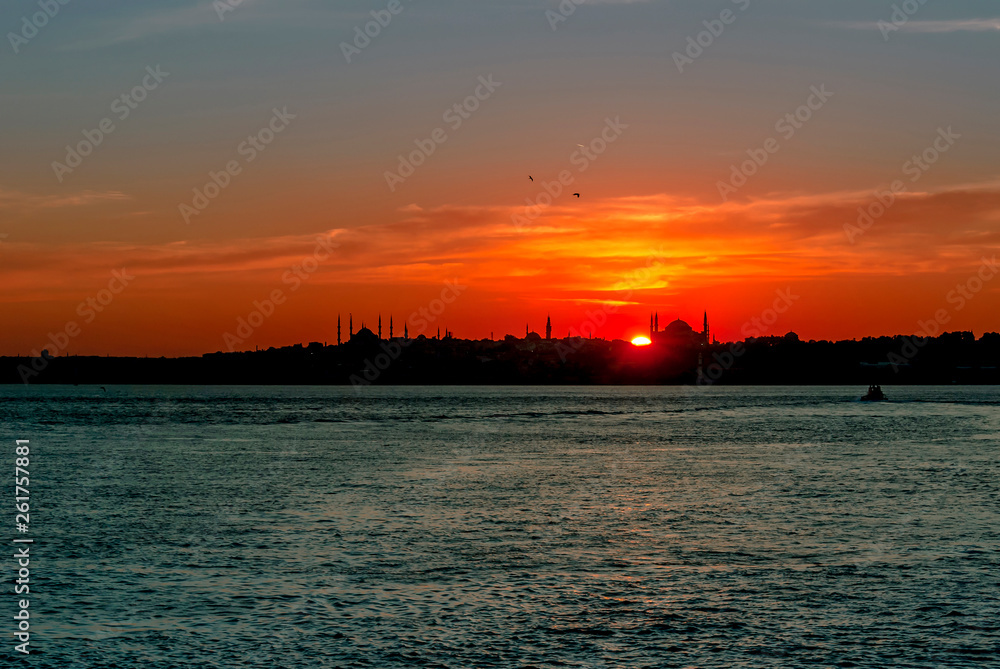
{"x": 956, "y": 358}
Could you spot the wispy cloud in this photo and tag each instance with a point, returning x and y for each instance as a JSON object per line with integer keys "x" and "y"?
{"x": 166, "y": 21}
{"x": 583, "y": 253}
{"x": 948, "y": 26}
{"x": 127, "y": 29}
{"x": 954, "y": 26}
{"x": 26, "y": 202}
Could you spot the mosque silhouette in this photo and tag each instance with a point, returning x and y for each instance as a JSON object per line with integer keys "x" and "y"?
{"x": 678, "y": 333}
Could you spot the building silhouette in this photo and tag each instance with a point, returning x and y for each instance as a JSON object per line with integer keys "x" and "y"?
{"x": 680, "y": 354}
{"x": 364, "y": 336}
{"x": 678, "y": 334}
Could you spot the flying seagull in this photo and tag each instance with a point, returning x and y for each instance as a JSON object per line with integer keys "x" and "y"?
{"x": 576, "y": 194}
{"x": 531, "y": 178}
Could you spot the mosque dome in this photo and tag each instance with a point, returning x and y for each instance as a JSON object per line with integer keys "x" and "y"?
{"x": 364, "y": 335}
{"x": 678, "y": 329}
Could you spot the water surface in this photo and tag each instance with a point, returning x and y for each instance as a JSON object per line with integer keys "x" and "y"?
{"x": 511, "y": 527}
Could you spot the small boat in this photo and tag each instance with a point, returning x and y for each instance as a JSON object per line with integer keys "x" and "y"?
{"x": 875, "y": 394}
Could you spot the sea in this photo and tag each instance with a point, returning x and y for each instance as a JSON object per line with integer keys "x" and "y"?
{"x": 521, "y": 527}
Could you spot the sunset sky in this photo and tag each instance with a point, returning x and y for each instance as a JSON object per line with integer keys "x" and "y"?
{"x": 650, "y": 231}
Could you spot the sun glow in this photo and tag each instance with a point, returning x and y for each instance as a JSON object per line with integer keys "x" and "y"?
{"x": 641, "y": 341}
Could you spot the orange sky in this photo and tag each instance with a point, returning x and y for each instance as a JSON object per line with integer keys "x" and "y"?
{"x": 637, "y": 254}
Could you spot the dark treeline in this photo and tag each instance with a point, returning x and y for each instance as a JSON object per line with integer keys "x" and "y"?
{"x": 956, "y": 357}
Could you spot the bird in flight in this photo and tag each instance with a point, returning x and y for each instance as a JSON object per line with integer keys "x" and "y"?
{"x": 531, "y": 178}
{"x": 576, "y": 194}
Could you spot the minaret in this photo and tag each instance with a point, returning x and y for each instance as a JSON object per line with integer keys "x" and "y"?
{"x": 525, "y": 330}
{"x": 439, "y": 334}
{"x": 338, "y": 329}
{"x": 406, "y": 331}
{"x": 548, "y": 328}
{"x": 390, "y": 326}
{"x": 380, "y": 326}
{"x": 350, "y": 325}
{"x": 656, "y": 322}
{"x": 651, "y": 327}
{"x": 705, "y": 331}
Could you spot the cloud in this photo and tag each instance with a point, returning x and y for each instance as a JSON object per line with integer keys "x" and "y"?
{"x": 953, "y": 26}
{"x": 947, "y": 26}
{"x": 575, "y": 251}
{"x": 26, "y": 202}
{"x": 166, "y": 21}
{"x": 127, "y": 29}
{"x": 205, "y": 15}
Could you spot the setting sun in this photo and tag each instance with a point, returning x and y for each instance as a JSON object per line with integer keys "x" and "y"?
{"x": 641, "y": 341}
